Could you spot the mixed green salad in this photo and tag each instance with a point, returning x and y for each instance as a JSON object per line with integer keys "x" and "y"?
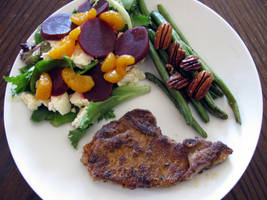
{"x": 83, "y": 64}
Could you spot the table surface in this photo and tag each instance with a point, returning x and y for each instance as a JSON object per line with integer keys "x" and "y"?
{"x": 247, "y": 17}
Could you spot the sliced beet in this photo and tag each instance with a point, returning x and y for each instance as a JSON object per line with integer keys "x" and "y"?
{"x": 97, "y": 38}
{"x": 59, "y": 87}
{"x": 101, "y": 6}
{"x": 86, "y": 6}
{"x": 56, "y": 27}
{"x": 133, "y": 42}
{"x": 102, "y": 89}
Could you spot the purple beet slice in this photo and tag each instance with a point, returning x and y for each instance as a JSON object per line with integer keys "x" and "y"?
{"x": 133, "y": 42}
{"x": 86, "y": 6}
{"x": 97, "y": 38}
{"x": 59, "y": 87}
{"x": 102, "y": 89}
{"x": 101, "y": 6}
{"x": 56, "y": 27}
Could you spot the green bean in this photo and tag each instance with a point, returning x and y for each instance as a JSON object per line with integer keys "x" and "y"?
{"x": 164, "y": 88}
{"x": 143, "y": 7}
{"x": 184, "y": 108}
{"x": 213, "y": 95}
{"x": 158, "y": 18}
{"x": 200, "y": 110}
{"x": 210, "y": 102}
{"x": 216, "y": 90}
{"x": 166, "y": 15}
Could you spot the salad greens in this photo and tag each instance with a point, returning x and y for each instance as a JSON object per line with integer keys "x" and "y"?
{"x": 20, "y": 83}
{"x": 96, "y": 110}
{"x": 55, "y": 118}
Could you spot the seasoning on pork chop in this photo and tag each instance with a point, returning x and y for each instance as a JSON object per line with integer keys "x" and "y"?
{"x": 133, "y": 152}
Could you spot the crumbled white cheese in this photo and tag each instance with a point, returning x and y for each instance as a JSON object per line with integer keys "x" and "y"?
{"x": 133, "y": 76}
{"x": 80, "y": 58}
{"x": 30, "y": 100}
{"x": 77, "y": 121}
{"x": 60, "y": 103}
{"x": 78, "y": 100}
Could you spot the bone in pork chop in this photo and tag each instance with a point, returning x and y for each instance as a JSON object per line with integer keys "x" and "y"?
{"x": 133, "y": 152}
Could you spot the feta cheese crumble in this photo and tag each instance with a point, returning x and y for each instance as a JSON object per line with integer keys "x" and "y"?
{"x": 77, "y": 121}
{"x": 80, "y": 58}
{"x": 60, "y": 103}
{"x": 133, "y": 76}
{"x": 78, "y": 100}
{"x": 31, "y": 102}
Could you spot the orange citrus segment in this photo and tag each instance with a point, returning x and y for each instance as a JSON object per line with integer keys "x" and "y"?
{"x": 122, "y": 62}
{"x": 66, "y": 47}
{"x": 80, "y": 18}
{"x": 77, "y": 82}
{"x": 114, "y": 19}
{"x": 74, "y": 34}
{"x": 109, "y": 63}
{"x": 112, "y": 76}
{"x": 44, "y": 87}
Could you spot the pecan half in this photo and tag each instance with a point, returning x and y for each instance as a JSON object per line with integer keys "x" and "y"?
{"x": 200, "y": 85}
{"x": 191, "y": 64}
{"x": 177, "y": 81}
{"x": 176, "y": 54}
{"x": 163, "y": 36}
{"x": 169, "y": 68}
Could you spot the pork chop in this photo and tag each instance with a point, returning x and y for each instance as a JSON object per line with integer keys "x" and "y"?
{"x": 133, "y": 152}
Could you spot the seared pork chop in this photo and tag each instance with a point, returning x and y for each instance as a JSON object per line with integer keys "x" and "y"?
{"x": 132, "y": 152}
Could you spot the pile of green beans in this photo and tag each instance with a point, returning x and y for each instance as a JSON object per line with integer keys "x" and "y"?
{"x": 162, "y": 17}
{"x": 160, "y": 58}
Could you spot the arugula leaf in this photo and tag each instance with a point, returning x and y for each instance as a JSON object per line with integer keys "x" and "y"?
{"x": 20, "y": 82}
{"x": 74, "y": 11}
{"x": 140, "y": 20}
{"x": 55, "y": 118}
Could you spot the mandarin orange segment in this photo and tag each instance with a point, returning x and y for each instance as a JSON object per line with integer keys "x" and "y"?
{"x": 44, "y": 87}
{"x": 122, "y": 62}
{"x": 112, "y": 76}
{"x": 77, "y": 82}
{"x": 125, "y": 60}
{"x": 80, "y": 18}
{"x": 109, "y": 63}
{"x": 121, "y": 69}
{"x": 66, "y": 47}
{"x": 74, "y": 34}
{"x": 114, "y": 19}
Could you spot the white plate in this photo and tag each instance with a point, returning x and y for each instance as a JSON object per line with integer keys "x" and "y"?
{"x": 53, "y": 169}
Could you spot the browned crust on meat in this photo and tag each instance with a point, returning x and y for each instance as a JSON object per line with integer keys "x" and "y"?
{"x": 133, "y": 152}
